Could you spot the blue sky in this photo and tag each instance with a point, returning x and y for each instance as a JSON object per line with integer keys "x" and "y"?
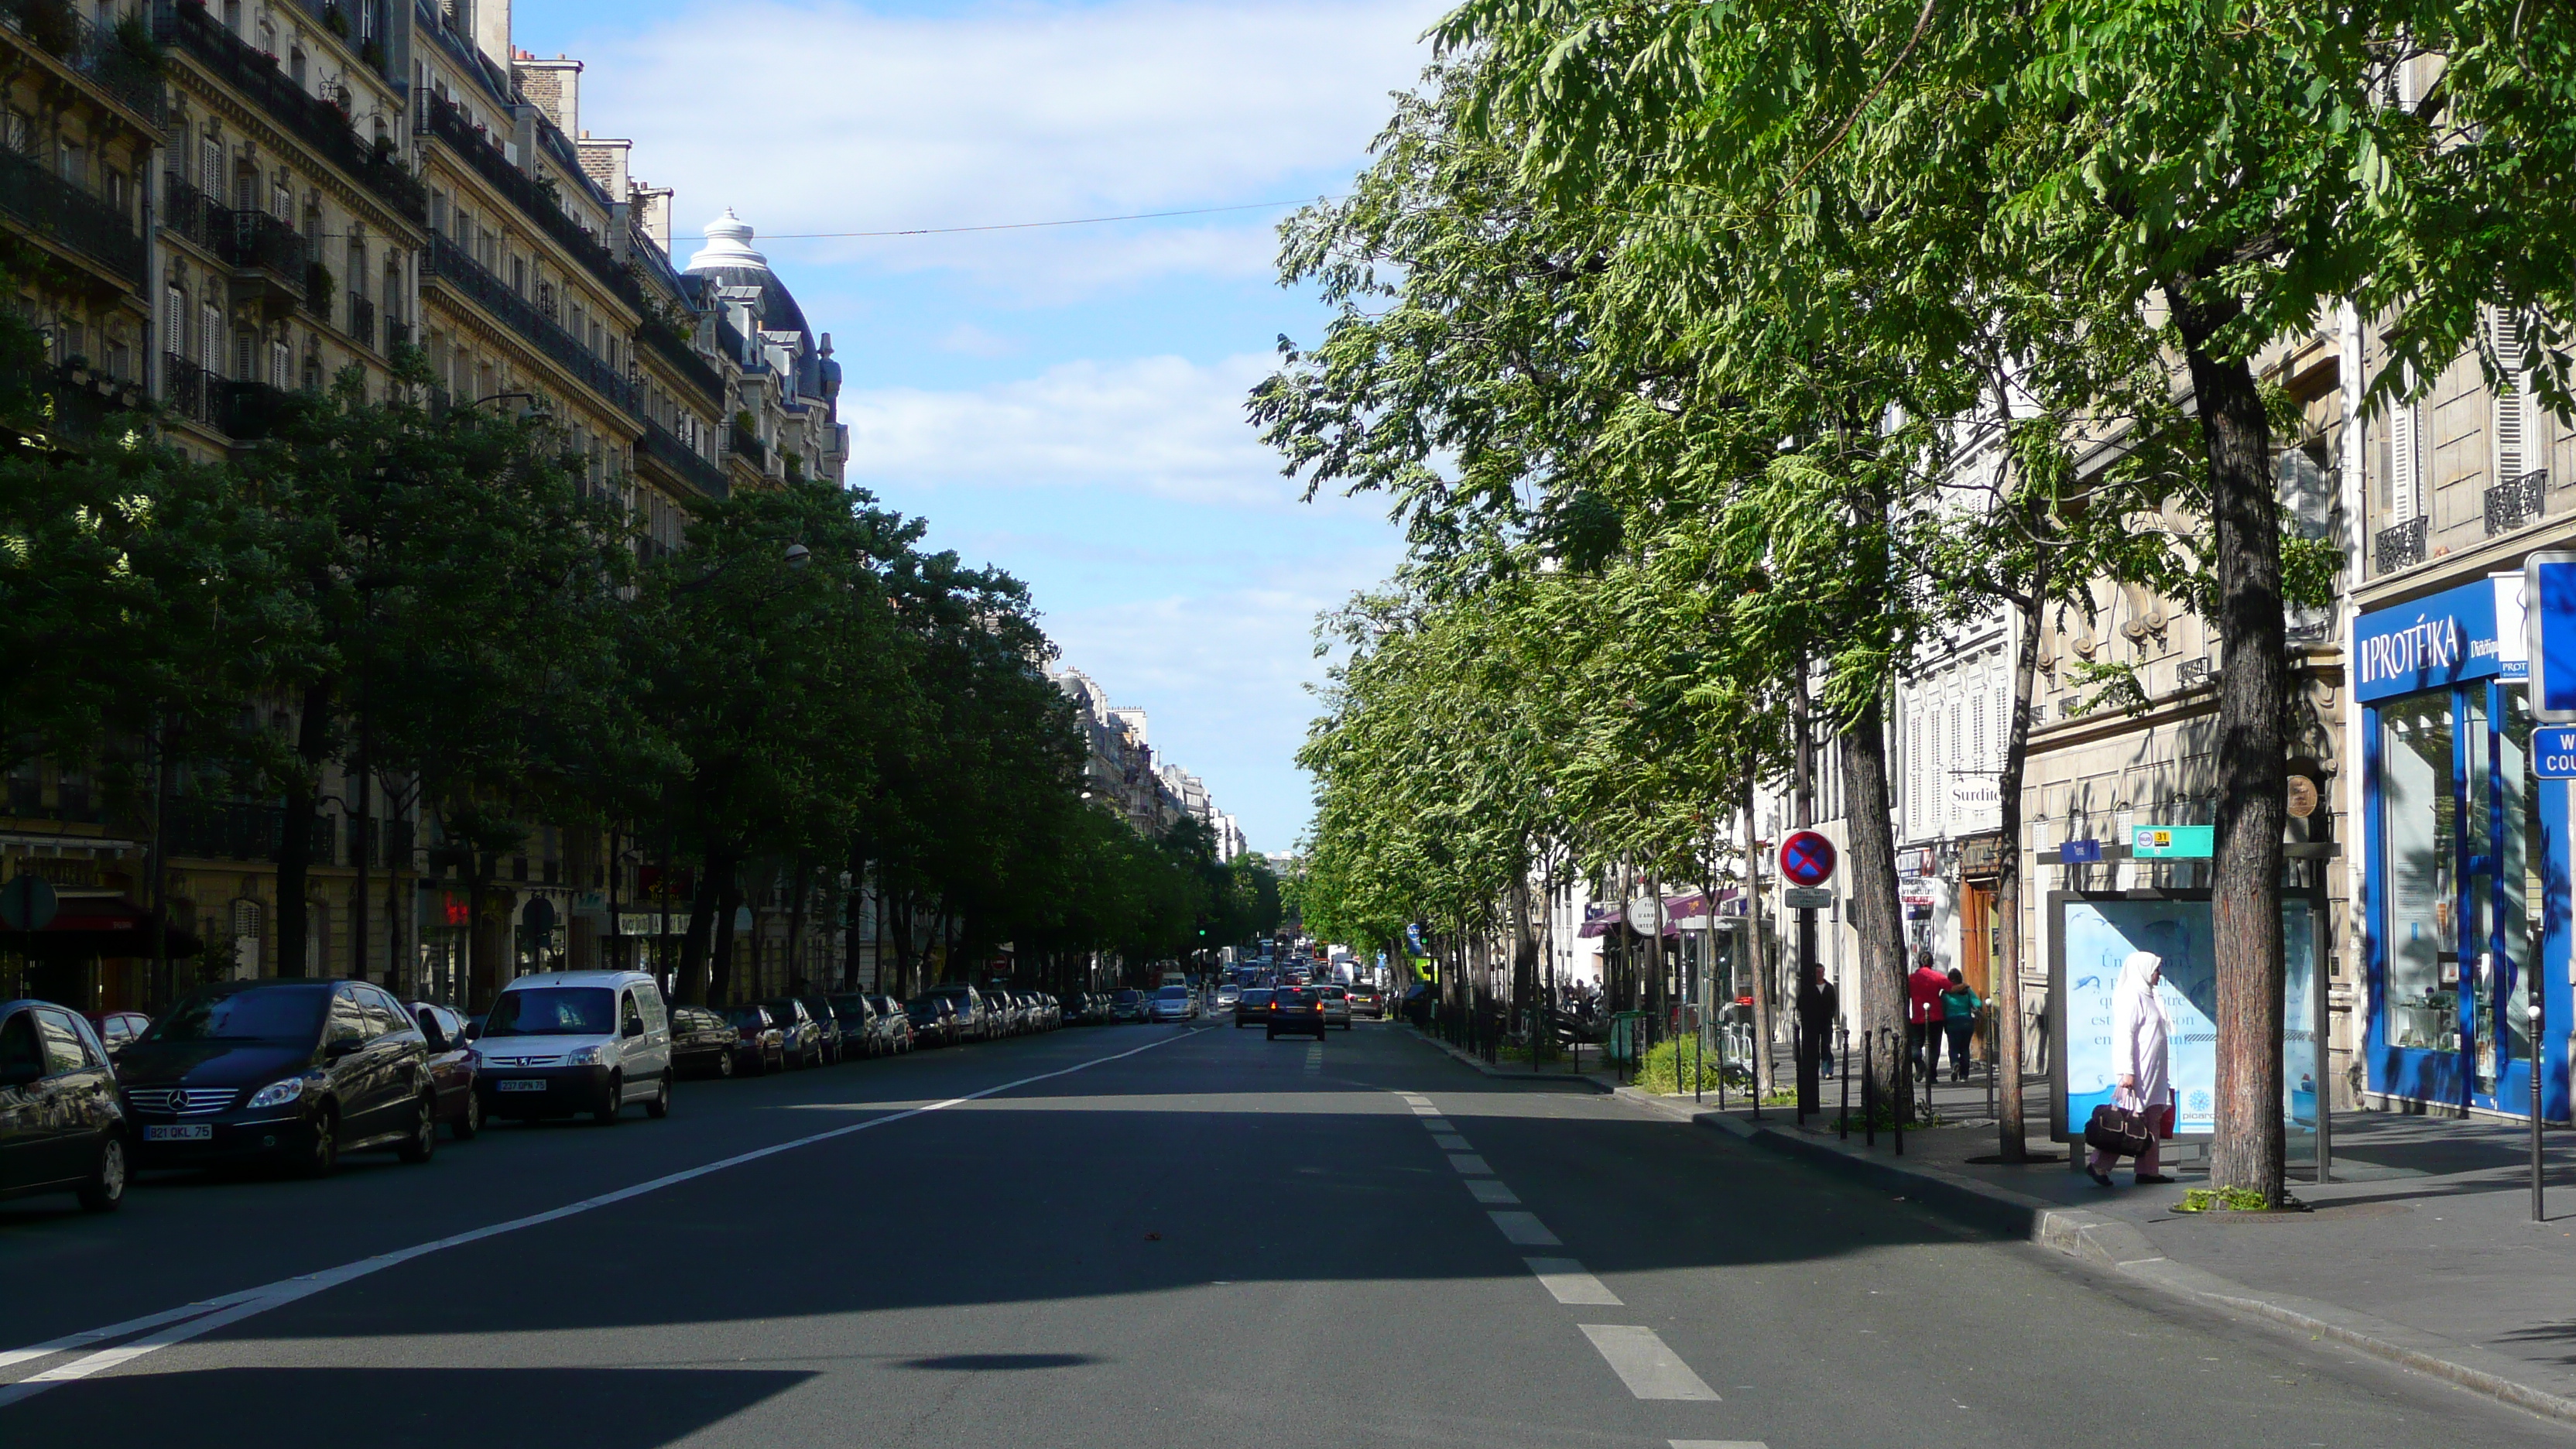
{"x": 1064, "y": 403}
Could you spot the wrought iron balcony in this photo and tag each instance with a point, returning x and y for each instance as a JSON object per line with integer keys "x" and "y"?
{"x": 362, "y": 321}
{"x": 2517, "y": 501}
{"x": 311, "y": 120}
{"x": 663, "y": 446}
{"x": 2400, "y": 547}
{"x": 451, "y": 266}
{"x": 115, "y": 63}
{"x": 748, "y": 446}
{"x": 67, "y": 216}
{"x": 675, "y": 350}
{"x": 446, "y": 121}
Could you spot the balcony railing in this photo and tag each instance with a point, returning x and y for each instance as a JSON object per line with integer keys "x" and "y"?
{"x": 445, "y": 120}
{"x": 675, "y": 350}
{"x": 222, "y": 830}
{"x": 665, "y": 447}
{"x": 362, "y": 321}
{"x": 2517, "y": 501}
{"x": 451, "y": 265}
{"x": 2400, "y": 547}
{"x": 74, "y": 404}
{"x": 100, "y": 56}
{"x": 243, "y": 410}
{"x": 311, "y": 120}
{"x": 747, "y": 446}
{"x": 63, "y": 213}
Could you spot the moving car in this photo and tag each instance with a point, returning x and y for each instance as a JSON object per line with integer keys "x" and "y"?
{"x": 1174, "y": 1003}
{"x": 1337, "y": 1006}
{"x": 452, "y": 1064}
{"x": 1297, "y": 1009}
{"x": 62, "y": 1128}
{"x": 1252, "y": 1008}
{"x": 760, "y": 1043}
{"x": 703, "y": 1041}
{"x": 1129, "y": 1005}
{"x": 561, "y": 1042}
{"x": 1368, "y": 1001}
{"x": 1228, "y": 996}
{"x": 282, "y": 1070}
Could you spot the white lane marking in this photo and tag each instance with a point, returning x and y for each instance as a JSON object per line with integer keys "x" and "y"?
{"x": 1650, "y": 1370}
{"x": 1567, "y": 1279}
{"x": 1449, "y": 1142}
{"x": 68, "y": 1342}
{"x": 1487, "y": 1189}
{"x": 1470, "y": 1164}
{"x": 1423, "y": 1109}
{"x": 1438, "y": 1124}
{"x": 1717, "y": 1444}
{"x": 1414, "y": 1099}
{"x": 1525, "y": 1229}
{"x": 206, "y": 1317}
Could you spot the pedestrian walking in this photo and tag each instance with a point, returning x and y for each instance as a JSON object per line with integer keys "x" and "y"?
{"x": 1818, "y": 1005}
{"x": 2139, "y": 1033}
{"x": 1959, "y": 1007}
{"x": 1923, "y": 1016}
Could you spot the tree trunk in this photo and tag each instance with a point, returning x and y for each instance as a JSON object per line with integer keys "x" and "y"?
{"x": 1871, "y": 851}
{"x": 796, "y": 982}
{"x": 360, "y": 847}
{"x": 2253, "y": 695}
{"x": 850, "y": 913}
{"x": 295, "y": 832}
{"x": 728, "y": 901}
{"x": 702, "y": 923}
{"x": 1525, "y": 954}
{"x": 1760, "y": 943}
{"x": 2010, "y": 1127}
{"x": 1811, "y": 1028}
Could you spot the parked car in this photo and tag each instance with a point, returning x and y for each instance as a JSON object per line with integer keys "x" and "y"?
{"x": 827, "y": 1026}
{"x": 1129, "y": 1005}
{"x": 1010, "y": 1015}
{"x": 452, "y": 1064}
{"x": 862, "y": 1031}
{"x": 1337, "y": 1006}
{"x": 116, "y": 1028}
{"x": 561, "y": 1042}
{"x": 760, "y": 1043}
{"x": 1252, "y": 1008}
{"x": 62, "y": 1127}
{"x": 895, "y": 1021}
{"x": 974, "y": 1020}
{"x": 933, "y": 1018}
{"x": 703, "y": 1041}
{"x": 1174, "y": 1003}
{"x": 1297, "y": 1009}
{"x": 1051, "y": 1009}
{"x": 800, "y": 1033}
{"x": 1228, "y": 995}
{"x": 282, "y": 1070}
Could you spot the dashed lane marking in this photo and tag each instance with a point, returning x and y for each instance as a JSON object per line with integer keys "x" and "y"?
{"x": 1449, "y": 1142}
{"x": 1438, "y": 1124}
{"x": 1469, "y": 1164}
{"x": 1717, "y": 1444}
{"x": 1566, "y": 1278}
{"x": 1642, "y": 1362}
{"x": 1525, "y": 1229}
{"x": 1488, "y": 1189}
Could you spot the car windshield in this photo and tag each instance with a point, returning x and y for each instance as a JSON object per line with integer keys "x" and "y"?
{"x": 1297, "y": 998}
{"x": 1127, "y": 998}
{"x": 1174, "y": 993}
{"x": 554, "y": 1011}
{"x": 1259, "y": 992}
{"x": 850, "y": 1005}
{"x": 749, "y": 1018}
{"x": 291, "y": 1014}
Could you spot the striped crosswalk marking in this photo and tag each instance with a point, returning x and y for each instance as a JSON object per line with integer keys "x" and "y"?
{"x": 1642, "y": 1362}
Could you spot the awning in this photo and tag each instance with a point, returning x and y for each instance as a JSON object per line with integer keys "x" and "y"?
{"x": 97, "y": 924}
{"x": 1679, "y": 910}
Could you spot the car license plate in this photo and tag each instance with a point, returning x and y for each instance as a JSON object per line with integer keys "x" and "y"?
{"x": 189, "y": 1132}
{"x": 520, "y": 1086}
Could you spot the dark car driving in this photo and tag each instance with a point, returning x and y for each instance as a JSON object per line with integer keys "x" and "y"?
{"x": 61, "y": 1126}
{"x": 289, "y": 1071}
{"x": 1130, "y": 1005}
{"x": 1252, "y": 1008}
{"x": 1295, "y": 1009}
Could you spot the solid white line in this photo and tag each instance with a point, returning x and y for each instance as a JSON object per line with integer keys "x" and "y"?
{"x": 1449, "y": 1142}
{"x": 1717, "y": 1444}
{"x": 251, "y": 1302}
{"x": 1525, "y": 1229}
{"x": 1487, "y": 1189}
{"x": 1567, "y": 1279}
{"x": 1469, "y": 1164}
{"x": 1639, "y": 1358}
{"x": 84, "y": 1339}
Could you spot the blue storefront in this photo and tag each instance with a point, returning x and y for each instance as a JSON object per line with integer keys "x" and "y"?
{"x": 2465, "y": 889}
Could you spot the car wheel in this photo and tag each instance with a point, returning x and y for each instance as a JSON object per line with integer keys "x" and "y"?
{"x": 612, "y": 1104}
{"x": 724, "y": 1063}
{"x": 423, "y": 1140}
{"x": 106, "y": 1185}
{"x": 660, "y": 1105}
{"x": 471, "y": 1122}
{"x": 324, "y": 1154}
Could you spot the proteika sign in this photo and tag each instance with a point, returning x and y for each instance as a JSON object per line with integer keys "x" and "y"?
{"x": 2440, "y": 639}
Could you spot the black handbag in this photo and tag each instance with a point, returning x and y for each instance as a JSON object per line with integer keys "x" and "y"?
{"x": 2120, "y": 1131}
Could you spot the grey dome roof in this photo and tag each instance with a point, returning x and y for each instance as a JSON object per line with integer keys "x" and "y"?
{"x": 728, "y": 260}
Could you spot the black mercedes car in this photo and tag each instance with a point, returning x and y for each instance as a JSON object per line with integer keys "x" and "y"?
{"x": 288, "y": 1071}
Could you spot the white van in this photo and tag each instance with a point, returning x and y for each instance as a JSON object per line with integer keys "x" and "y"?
{"x": 562, "y": 1042}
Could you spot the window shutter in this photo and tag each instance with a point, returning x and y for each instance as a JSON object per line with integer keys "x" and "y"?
{"x": 2405, "y": 463}
{"x": 2509, "y": 416}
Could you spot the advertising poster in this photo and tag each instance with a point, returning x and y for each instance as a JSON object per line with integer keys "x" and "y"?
{"x": 2096, "y": 935}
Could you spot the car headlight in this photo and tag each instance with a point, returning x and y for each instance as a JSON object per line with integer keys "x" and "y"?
{"x": 277, "y": 1094}
{"x": 581, "y": 1056}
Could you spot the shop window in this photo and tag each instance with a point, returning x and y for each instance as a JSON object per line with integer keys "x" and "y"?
{"x": 2418, "y": 832}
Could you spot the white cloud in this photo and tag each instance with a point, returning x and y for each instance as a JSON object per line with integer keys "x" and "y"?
{"x": 972, "y": 341}
{"x": 1159, "y": 425}
{"x": 835, "y": 118}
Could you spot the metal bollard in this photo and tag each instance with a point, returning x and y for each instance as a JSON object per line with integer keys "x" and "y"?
{"x": 1896, "y": 1112}
{"x": 1842, "y": 1124}
{"x": 2539, "y": 1211}
{"x": 1868, "y": 1097}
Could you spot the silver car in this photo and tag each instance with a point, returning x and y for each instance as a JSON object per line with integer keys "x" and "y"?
{"x": 1337, "y": 1006}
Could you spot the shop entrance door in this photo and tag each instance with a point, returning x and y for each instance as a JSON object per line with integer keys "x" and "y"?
{"x": 2503, "y": 898}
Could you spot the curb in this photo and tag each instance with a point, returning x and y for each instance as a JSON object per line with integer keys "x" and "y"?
{"x": 2121, "y": 1248}
{"x": 1466, "y": 1060}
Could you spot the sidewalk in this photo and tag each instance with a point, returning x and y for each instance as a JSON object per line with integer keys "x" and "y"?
{"x": 2421, "y": 1249}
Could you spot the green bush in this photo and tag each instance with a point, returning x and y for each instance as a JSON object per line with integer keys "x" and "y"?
{"x": 1667, "y": 1069}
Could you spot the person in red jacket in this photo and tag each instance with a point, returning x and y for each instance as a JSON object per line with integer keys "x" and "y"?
{"x": 1924, "y": 1014}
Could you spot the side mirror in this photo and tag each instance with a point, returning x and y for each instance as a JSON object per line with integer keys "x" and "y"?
{"x": 473, "y": 1030}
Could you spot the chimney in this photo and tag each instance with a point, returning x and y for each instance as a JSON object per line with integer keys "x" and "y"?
{"x": 554, "y": 87}
{"x": 653, "y": 214}
{"x": 605, "y": 163}
{"x": 492, "y": 31}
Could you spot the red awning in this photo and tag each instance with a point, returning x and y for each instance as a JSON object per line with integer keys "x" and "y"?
{"x": 102, "y": 924}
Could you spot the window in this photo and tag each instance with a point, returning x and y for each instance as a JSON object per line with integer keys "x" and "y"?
{"x": 2405, "y": 470}
{"x": 174, "y": 320}
{"x": 210, "y": 336}
{"x": 210, "y": 163}
{"x": 348, "y": 1021}
{"x": 631, "y": 1016}
{"x": 63, "y": 1049}
{"x": 2519, "y": 426}
{"x": 2417, "y": 815}
{"x": 21, "y": 1053}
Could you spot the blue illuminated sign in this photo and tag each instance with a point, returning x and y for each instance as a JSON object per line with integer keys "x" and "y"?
{"x": 2442, "y": 639}
{"x": 2549, "y": 589}
{"x": 2553, "y": 752}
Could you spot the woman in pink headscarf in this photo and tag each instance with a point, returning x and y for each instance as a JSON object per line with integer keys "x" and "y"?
{"x": 2139, "y": 1031}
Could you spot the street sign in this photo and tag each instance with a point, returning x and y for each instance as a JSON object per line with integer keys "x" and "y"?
{"x": 2173, "y": 842}
{"x": 2553, "y": 752}
{"x": 28, "y": 903}
{"x": 1806, "y": 859}
{"x": 1807, "y": 898}
{"x": 2079, "y": 852}
{"x": 2549, "y": 617}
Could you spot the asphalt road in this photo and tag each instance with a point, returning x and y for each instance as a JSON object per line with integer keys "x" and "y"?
{"x": 1126, "y": 1237}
